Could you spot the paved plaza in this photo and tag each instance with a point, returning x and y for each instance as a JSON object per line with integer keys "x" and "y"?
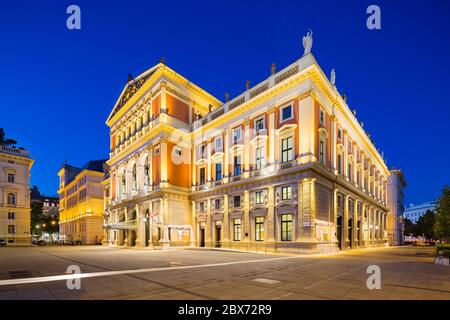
{"x": 115, "y": 273}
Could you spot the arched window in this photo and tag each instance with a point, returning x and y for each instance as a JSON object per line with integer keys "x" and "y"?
{"x": 147, "y": 171}
{"x": 11, "y": 199}
{"x": 322, "y": 147}
{"x": 124, "y": 183}
{"x": 134, "y": 177}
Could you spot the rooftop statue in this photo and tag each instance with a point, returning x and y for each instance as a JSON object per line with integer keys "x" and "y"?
{"x": 308, "y": 42}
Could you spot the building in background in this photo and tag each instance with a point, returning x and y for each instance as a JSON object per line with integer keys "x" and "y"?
{"x": 414, "y": 212}
{"x": 396, "y": 203}
{"x": 81, "y": 202}
{"x": 285, "y": 166}
{"x": 15, "y": 165}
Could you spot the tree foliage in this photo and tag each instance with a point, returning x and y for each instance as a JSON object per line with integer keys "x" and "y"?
{"x": 4, "y": 141}
{"x": 442, "y": 223}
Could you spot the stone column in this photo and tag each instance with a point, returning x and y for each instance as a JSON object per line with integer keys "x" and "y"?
{"x": 335, "y": 215}
{"x": 270, "y": 220}
{"x": 307, "y": 136}
{"x": 247, "y": 149}
{"x": 333, "y": 142}
{"x": 272, "y": 137}
{"x": 355, "y": 223}
{"x": 140, "y": 236}
{"x": 126, "y": 238}
{"x": 246, "y": 209}
{"x": 307, "y": 209}
{"x": 226, "y": 221}
{"x": 163, "y": 212}
{"x": 345, "y": 222}
{"x": 194, "y": 224}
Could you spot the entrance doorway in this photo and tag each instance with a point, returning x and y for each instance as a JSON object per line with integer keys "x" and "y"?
{"x": 218, "y": 236}
{"x": 339, "y": 231}
{"x": 132, "y": 240}
{"x": 147, "y": 233}
{"x": 202, "y": 237}
{"x": 350, "y": 232}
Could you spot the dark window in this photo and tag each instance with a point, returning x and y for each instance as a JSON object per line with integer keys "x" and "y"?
{"x": 11, "y": 178}
{"x": 286, "y": 150}
{"x": 286, "y": 193}
{"x": 11, "y": 199}
{"x": 286, "y": 113}
{"x": 11, "y": 229}
{"x": 11, "y": 215}
{"x": 202, "y": 176}
{"x": 259, "y": 125}
{"x": 217, "y": 204}
{"x": 322, "y": 151}
{"x": 218, "y": 171}
{"x": 237, "y": 201}
{"x": 237, "y": 165}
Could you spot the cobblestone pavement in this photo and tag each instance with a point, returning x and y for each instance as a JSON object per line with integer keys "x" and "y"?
{"x": 406, "y": 273}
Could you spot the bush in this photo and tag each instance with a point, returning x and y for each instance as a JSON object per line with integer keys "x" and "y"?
{"x": 444, "y": 248}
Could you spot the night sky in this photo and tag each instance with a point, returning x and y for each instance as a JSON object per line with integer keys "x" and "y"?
{"x": 58, "y": 86}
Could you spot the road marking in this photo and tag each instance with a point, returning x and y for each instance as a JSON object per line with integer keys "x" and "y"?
{"x": 132, "y": 271}
{"x": 331, "y": 278}
{"x": 266, "y": 281}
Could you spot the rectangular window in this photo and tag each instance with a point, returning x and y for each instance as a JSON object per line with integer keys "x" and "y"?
{"x": 339, "y": 133}
{"x": 286, "y": 193}
{"x": 11, "y": 177}
{"x": 218, "y": 171}
{"x": 350, "y": 175}
{"x": 202, "y": 176}
{"x": 157, "y": 150}
{"x": 11, "y": 229}
{"x": 201, "y": 206}
{"x": 259, "y": 125}
{"x": 259, "y": 158}
{"x": 237, "y": 165}
{"x": 286, "y": 150}
{"x": 237, "y": 135}
{"x": 258, "y": 197}
{"x": 218, "y": 144}
{"x": 237, "y": 230}
{"x": 286, "y": 227}
{"x": 286, "y": 113}
{"x": 322, "y": 152}
{"x": 259, "y": 228}
{"x": 237, "y": 201}
{"x": 11, "y": 215}
{"x": 339, "y": 164}
{"x": 217, "y": 204}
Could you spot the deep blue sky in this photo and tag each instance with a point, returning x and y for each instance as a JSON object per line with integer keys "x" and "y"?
{"x": 58, "y": 86}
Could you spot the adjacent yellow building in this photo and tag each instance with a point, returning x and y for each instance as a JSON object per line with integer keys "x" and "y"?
{"x": 284, "y": 166}
{"x": 81, "y": 202}
{"x": 15, "y": 165}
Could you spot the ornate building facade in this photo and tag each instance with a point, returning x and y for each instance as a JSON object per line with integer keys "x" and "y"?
{"x": 283, "y": 167}
{"x": 15, "y": 166}
{"x": 81, "y": 202}
{"x": 396, "y": 203}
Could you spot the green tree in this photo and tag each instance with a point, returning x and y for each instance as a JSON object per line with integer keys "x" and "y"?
{"x": 4, "y": 141}
{"x": 442, "y": 223}
{"x": 425, "y": 225}
{"x": 409, "y": 227}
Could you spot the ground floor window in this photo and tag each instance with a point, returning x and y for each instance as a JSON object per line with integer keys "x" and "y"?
{"x": 12, "y": 229}
{"x": 286, "y": 227}
{"x": 237, "y": 229}
{"x": 259, "y": 228}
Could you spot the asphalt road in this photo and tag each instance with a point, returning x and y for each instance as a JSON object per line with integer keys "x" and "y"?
{"x": 114, "y": 273}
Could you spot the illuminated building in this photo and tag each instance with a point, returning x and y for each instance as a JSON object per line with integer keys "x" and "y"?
{"x": 284, "y": 167}
{"x": 81, "y": 202}
{"x": 15, "y": 166}
{"x": 414, "y": 212}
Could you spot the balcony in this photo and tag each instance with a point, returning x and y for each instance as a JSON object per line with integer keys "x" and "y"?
{"x": 15, "y": 151}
